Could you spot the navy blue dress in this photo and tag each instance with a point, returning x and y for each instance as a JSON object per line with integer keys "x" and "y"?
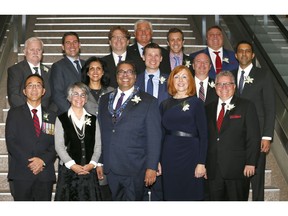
{"x": 181, "y": 154}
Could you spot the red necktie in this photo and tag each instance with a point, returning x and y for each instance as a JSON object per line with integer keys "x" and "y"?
{"x": 36, "y": 122}
{"x": 220, "y": 117}
{"x": 218, "y": 62}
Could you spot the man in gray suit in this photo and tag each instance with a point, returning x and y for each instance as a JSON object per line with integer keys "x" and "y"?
{"x": 130, "y": 125}
{"x": 66, "y": 71}
{"x": 17, "y": 74}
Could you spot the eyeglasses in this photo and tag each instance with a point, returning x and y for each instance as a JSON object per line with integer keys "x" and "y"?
{"x": 76, "y": 94}
{"x": 222, "y": 85}
{"x": 127, "y": 72}
{"x": 37, "y": 86}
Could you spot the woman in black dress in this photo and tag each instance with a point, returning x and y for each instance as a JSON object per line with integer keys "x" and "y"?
{"x": 185, "y": 139}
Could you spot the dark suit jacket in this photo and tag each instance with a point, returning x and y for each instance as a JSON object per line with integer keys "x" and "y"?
{"x": 17, "y": 75}
{"x": 63, "y": 74}
{"x": 227, "y": 54}
{"x": 261, "y": 93}
{"x": 23, "y": 144}
{"x": 238, "y": 142}
{"x": 140, "y": 64}
{"x": 162, "y": 91}
{"x": 111, "y": 68}
{"x": 133, "y": 143}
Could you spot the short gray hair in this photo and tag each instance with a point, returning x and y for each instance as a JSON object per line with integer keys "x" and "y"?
{"x": 80, "y": 85}
{"x": 32, "y": 39}
{"x": 142, "y": 21}
{"x": 225, "y": 73}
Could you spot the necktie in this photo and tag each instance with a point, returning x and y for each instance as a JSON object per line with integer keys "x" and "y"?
{"x": 241, "y": 82}
{"x": 221, "y": 116}
{"x": 119, "y": 102}
{"x": 218, "y": 62}
{"x": 177, "y": 61}
{"x": 36, "y": 70}
{"x": 150, "y": 85}
{"x": 36, "y": 122}
{"x": 78, "y": 66}
{"x": 119, "y": 59}
{"x": 201, "y": 92}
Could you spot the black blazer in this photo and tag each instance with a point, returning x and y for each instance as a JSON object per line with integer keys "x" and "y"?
{"x": 23, "y": 144}
{"x": 238, "y": 142}
{"x": 261, "y": 93}
{"x": 17, "y": 75}
{"x": 63, "y": 74}
{"x": 140, "y": 64}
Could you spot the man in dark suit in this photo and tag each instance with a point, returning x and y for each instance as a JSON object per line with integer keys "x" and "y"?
{"x": 201, "y": 66}
{"x": 131, "y": 134}
{"x": 17, "y": 74}
{"x": 215, "y": 42}
{"x": 234, "y": 142}
{"x": 175, "y": 41}
{"x": 152, "y": 56}
{"x": 118, "y": 40}
{"x": 31, "y": 151}
{"x": 257, "y": 86}
{"x": 143, "y": 35}
{"x": 66, "y": 71}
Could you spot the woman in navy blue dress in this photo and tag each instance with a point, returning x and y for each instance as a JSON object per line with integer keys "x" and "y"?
{"x": 185, "y": 139}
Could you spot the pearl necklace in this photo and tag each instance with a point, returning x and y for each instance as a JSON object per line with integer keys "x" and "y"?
{"x": 80, "y": 136}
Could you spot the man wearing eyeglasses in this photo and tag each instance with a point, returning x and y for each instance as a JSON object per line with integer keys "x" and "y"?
{"x": 130, "y": 124}
{"x": 233, "y": 142}
{"x": 29, "y": 137}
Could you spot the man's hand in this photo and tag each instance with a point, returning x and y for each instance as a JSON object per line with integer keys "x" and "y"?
{"x": 36, "y": 165}
{"x": 265, "y": 145}
{"x": 249, "y": 170}
{"x": 150, "y": 177}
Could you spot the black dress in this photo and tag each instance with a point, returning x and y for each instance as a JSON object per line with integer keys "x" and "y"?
{"x": 71, "y": 186}
{"x": 180, "y": 153}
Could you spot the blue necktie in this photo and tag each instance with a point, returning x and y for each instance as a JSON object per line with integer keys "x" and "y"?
{"x": 150, "y": 85}
{"x": 177, "y": 61}
{"x": 241, "y": 82}
{"x": 78, "y": 66}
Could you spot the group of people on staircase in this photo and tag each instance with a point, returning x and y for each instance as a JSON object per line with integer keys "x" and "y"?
{"x": 142, "y": 123}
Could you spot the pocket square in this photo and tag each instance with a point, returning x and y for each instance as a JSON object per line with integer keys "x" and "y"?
{"x": 235, "y": 116}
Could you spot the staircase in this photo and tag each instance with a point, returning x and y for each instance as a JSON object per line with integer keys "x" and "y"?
{"x": 93, "y": 31}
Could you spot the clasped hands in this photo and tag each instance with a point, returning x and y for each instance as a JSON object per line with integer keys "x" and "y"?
{"x": 82, "y": 170}
{"x": 36, "y": 165}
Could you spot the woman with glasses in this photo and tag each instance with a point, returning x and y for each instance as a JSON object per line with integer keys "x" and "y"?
{"x": 78, "y": 145}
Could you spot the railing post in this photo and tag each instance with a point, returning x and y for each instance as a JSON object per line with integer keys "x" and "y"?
{"x": 204, "y": 23}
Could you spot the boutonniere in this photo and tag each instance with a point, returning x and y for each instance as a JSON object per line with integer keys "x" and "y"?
{"x": 136, "y": 99}
{"x": 230, "y": 106}
{"x": 87, "y": 121}
{"x": 226, "y": 60}
{"x": 185, "y": 106}
{"x": 211, "y": 84}
{"x": 162, "y": 79}
{"x": 46, "y": 69}
{"x": 248, "y": 79}
{"x": 46, "y": 117}
{"x": 187, "y": 63}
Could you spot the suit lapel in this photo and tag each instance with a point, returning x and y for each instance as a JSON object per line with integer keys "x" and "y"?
{"x": 226, "y": 120}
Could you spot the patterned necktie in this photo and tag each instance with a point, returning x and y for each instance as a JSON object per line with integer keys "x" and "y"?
{"x": 177, "y": 61}
{"x": 78, "y": 66}
{"x": 36, "y": 70}
{"x": 150, "y": 84}
{"x": 218, "y": 62}
{"x": 119, "y": 102}
{"x": 201, "y": 92}
{"x": 221, "y": 117}
{"x": 241, "y": 82}
{"x": 36, "y": 122}
{"x": 119, "y": 59}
